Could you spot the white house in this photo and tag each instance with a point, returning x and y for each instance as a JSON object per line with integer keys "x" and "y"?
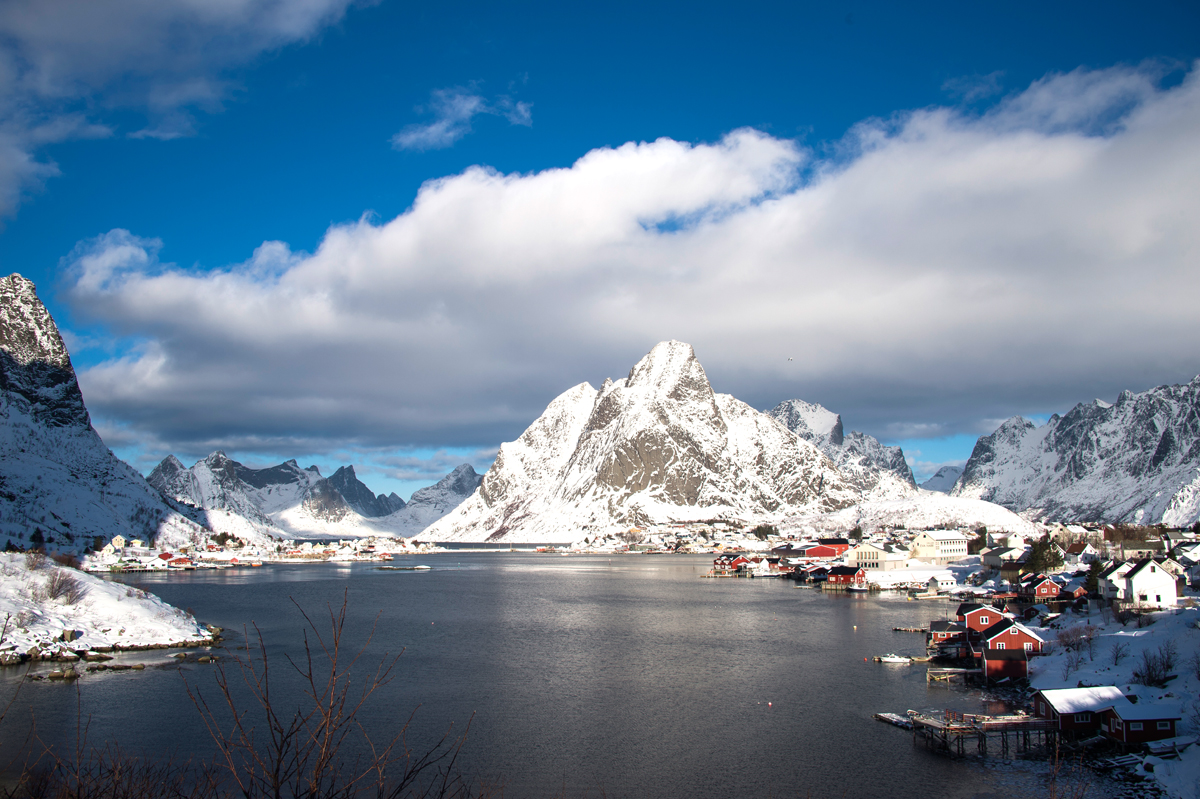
{"x": 866, "y": 555}
{"x": 1112, "y": 580}
{"x": 1149, "y": 585}
{"x": 940, "y": 546}
{"x": 941, "y": 582}
{"x": 1080, "y": 553}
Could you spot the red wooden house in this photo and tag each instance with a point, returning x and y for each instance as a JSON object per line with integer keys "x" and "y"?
{"x": 1137, "y": 724}
{"x": 847, "y": 575}
{"x": 1038, "y": 588}
{"x": 1077, "y": 711}
{"x": 976, "y": 618}
{"x": 1008, "y": 634}
{"x": 838, "y": 545}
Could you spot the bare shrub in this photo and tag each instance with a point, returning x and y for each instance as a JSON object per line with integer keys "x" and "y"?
{"x": 1144, "y": 620}
{"x": 1071, "y": 662}
{"x": 34, "y": 560}
{"x": 1194, "y": 662}
{"x": 1118, "y": 652}
{"x": 24, "y": 618}
{"x": 1124, "y": 616}
{"x": 1070, "y": 638}
{"x": 1152, "y": 670}
{"x": 65, "y": 586}
{"x": 65, "y": 559}
{"x": 1168, "y": 653}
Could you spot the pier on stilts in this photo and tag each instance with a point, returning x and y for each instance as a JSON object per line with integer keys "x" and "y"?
{"x": 951, "y": 732}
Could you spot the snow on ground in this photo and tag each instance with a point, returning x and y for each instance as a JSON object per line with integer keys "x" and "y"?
{"x": 1100, "y": 666}
{"x": 926, "y": 510}
{"x": 104, "y": 615}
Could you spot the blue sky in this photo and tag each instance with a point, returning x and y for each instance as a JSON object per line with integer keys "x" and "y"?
{"x": 147, "y": 156}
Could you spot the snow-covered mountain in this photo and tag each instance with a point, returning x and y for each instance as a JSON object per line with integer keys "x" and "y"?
{"x": 1135, "y": 460}
{"x": 431, "y": 503}
{"x": 657, "y": 446}
{"x": 59, "y": 484}
{"x": 876, "y": 471}
{"x": 286, "y": 500}
{"x": 944, "y": 480}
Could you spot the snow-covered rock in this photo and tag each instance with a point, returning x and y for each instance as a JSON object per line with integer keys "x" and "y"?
{"x": 103, "y": 613}
{"x": 657, "y": 446}
{"x": 874, "y": 470}
{"x": 60, "y": 486}
{"x": 943, "y": 480}
{"x": 1136, "y": 460}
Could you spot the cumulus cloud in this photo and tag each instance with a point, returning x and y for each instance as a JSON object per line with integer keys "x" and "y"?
{"x": 453, "y": 110}
{"x": 62, "y": 61}
{"x": 945, "y": 267}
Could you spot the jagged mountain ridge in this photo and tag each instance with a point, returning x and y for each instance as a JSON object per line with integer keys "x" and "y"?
{"x": 875, "y": 470}
{"x": 657, "y": 446}
{"x": 58, "y": 481}
{"x": 287, "y": 500}
{"x": 361, "y": 498}
{"x": 1136, "y": 460}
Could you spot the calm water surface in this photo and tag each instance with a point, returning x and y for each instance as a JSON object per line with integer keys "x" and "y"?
{"x": 630, "y": 675}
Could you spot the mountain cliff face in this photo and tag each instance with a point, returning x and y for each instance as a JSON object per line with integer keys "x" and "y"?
{"x": 874, "y": 470}
{"x": 60, "y": 486}
{"x": 656, "y": 446}
{"x": 359, "y": 497}
{"x": 1136, "y": 460}
{"x": 431, "y": 503}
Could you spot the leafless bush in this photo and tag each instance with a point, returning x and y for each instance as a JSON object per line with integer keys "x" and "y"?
{"x": 1168, "y": 653}
{"x": 1071, "y": 662}
{"x": 1152, "y": 670}
{"x": 24, "y": 618}
{"x": 65, "y": 586}
{"x": 1118, "y": 651}
{"x": 1125, "y": 615}
{"x": 34, "y": 560}
{"x": 1194, "y": 662}
{"x": 1070, "y": 638}
{"x": 1144, "y": 620}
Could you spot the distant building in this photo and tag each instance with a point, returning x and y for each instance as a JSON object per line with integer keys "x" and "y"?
{"x": 940, "y": 546}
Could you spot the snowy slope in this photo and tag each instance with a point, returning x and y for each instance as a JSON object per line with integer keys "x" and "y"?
{"x": 875, "y": 470}
{"x": 431, "y": 503}
{"x": 58, "y": 481}
{"x": 944, "y": 480}
{"x": 926, "y": 510}
{"x": 1135, "y": 460}
{"x": 654, "y": 447}
{"x": 107, "y": 614}
{"x": 365, "y": 502}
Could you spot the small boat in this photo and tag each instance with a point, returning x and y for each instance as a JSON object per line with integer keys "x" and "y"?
{"x": 858, "y": 589}
{"x": 892, "y": 658}
{"x": 402, "y": 568}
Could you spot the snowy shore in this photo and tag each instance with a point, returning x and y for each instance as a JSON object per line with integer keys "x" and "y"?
{"x": 49, "y": 612}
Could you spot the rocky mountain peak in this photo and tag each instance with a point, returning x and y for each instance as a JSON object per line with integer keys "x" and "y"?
{"x": 35, "y": 369}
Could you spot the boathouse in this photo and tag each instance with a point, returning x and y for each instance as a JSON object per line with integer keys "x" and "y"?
{"x": 1000, "y": 664}
{"x": 977, "y": 618}
{"x": 847, "y": 576}
{"x": 1008, "y": 634}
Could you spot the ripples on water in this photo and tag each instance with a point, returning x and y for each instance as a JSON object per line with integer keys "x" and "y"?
{"x": 630, "y": 675}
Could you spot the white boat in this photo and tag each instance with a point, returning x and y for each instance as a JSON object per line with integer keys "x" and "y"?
{"x": 893, "y": 658}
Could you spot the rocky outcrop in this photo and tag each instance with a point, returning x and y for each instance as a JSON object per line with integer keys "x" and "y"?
{"x": 1135, "y": 460}
{"x": 359, "y": 497}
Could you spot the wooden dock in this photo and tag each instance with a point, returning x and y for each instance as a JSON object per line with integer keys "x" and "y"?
{"x": 950, "y": 732}
{"x": 948, "y": 675}
{"x": 909, "y": 630}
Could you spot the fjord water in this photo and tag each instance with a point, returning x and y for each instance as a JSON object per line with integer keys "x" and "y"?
{"x": 628, "y": 675}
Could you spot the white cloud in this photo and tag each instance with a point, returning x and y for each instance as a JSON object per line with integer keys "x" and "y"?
{"x": 945, "y": 268}
{"x": 62, "y": 60}
{"x": 453, "y": 110}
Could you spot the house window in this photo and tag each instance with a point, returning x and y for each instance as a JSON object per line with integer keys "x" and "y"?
{"x": 1164, "y": 725}
{"x": 1135, "y": 725}
{"x": 1117, "y": 723}
{"x": 1000, "y": 645}
{"x": 1158, "y": 597}
{"x": 1013, "y": 631}
{"x": 1083, "y": 718}
{"x": 1028, "y": 647}
{"x": 983, "y": 619}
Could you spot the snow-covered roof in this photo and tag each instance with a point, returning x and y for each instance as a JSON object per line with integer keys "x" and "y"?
{"x": 1082, "y": 700}
{"x": 1148, "y": 711}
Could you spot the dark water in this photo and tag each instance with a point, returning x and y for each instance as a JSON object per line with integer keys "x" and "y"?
{"x": 630, "y": 675}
